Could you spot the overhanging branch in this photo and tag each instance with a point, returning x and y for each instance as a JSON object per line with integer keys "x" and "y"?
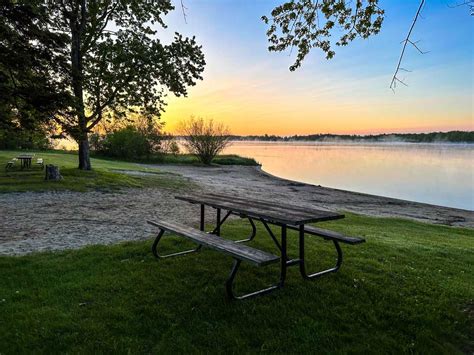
{"x": 395, "y": 78}
{"x": 184, "y": 8}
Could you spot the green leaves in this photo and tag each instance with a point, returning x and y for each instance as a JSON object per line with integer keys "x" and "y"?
{"x": 126, "y": 68}
{"x": 307, "y": 24}
{"x": 119, "y": 64}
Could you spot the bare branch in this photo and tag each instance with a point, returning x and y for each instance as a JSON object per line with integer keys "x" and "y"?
{"x": 184, "y": 8}
{"x": 414, "y": 45}
{"x": 400, "y": 81}
{"x": 407, "y": 40}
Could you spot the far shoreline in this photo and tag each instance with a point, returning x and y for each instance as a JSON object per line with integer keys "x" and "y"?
{"x": 354, "y": 142}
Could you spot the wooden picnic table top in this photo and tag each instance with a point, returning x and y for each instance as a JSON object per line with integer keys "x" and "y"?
{"x": 25, "y": 156}
{"x": 268, "y": 210}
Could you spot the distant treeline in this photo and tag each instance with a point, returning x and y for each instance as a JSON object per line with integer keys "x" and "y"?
{"x": 433, "y": 137}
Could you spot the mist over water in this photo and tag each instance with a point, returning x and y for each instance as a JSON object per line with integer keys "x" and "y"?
{"x": 440, "y": 174}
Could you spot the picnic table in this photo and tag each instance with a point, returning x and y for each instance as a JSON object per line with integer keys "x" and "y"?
{"x": 285, "y": 216}
{"x": 25, "y": 160}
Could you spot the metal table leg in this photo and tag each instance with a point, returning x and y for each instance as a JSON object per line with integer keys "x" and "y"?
{"x": 284, "y": 256}
{"x": 302, "y": 258}
{"x": 158, "y": 256}
{"x": 202, "y": 222}
{"x": 229, "y": 285}
{"x": 275, "y": 240}
{"x": 252, "y": 234}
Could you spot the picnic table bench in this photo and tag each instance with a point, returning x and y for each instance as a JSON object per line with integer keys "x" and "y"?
{"x": 10, "y": 164}
{"x": 285, "y": 216}
{"x": 25, "y": 161}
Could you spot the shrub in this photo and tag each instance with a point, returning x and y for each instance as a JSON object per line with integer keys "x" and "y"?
{"x": 139, "y": 138}
{"x": 127, "y": 143}
{"x": 205, "y": 139}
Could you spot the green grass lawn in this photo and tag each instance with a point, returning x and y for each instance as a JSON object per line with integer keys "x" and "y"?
{"x": 225, "y": 159}
{"x": 408, "y": 289}
{"x": 105, "y": 175}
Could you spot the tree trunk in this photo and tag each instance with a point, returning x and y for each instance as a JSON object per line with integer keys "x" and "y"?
{"x": 77, "y": 24}
{"x": 84, "y": 154}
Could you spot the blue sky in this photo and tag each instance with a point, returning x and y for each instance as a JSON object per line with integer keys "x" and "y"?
{"x": 253, "y": 92}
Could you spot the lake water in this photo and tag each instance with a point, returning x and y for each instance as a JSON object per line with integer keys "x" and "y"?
{"x": 440, "y": 174}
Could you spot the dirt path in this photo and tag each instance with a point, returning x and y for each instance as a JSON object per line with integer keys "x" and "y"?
{"x": 61, "y": 220}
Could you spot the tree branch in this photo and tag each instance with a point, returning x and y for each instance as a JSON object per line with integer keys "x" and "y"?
{"x": 184, "y": 8}
{"x": 98, "y": 112}
{"x": 469, "y": 3}
{"x": 407, "y": 40}
{"x": 102, "y": 23}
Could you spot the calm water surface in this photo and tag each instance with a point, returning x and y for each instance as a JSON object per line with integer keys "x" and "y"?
{"x": 440, "y": 174}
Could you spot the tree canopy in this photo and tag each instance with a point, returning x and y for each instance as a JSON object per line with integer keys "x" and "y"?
{"x": 28, "y": 52}
{"x": 110, "y": 61}
{"x": 306, "y": 24}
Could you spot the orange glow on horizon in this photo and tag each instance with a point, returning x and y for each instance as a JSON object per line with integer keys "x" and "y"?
{"x": 256, "y": 114}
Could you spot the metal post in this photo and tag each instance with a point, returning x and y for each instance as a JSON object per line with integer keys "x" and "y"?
{"x": 284, "y": 257}
{"x": 201, "y": 226}
{"x": 275, "y": 240}
{"x": 218, "y": 222}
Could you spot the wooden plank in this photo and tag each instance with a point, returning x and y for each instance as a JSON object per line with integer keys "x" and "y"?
{"x": 251, "y": 211}
{"x": 307, "y": 212}
{"x": 328, "y": 234}
{"x": 275, "y": 205}
{"x": 267, "y": 210}
{"x": 240, "y": 251}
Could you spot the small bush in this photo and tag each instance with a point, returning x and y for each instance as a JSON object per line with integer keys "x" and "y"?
{"x": 126, "y": 143}
{"x": 205, "y": 139}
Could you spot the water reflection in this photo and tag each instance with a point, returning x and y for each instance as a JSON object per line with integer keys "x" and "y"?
{"x": 441, "y": 174}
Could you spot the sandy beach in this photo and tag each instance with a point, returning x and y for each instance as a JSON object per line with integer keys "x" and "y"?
{"x": 31, "y": 222}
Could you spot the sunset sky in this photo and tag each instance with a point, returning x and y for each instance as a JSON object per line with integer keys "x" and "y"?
{"x": 252, "y": 91}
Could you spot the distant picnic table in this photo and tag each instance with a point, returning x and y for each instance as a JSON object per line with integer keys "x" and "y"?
{"x": 25, "y": 160}
{"x": 285, "y": 216}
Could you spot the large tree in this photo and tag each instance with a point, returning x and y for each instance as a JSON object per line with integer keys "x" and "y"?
{"x": 115, "y": 64}
{"x": 28, "y": 52}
